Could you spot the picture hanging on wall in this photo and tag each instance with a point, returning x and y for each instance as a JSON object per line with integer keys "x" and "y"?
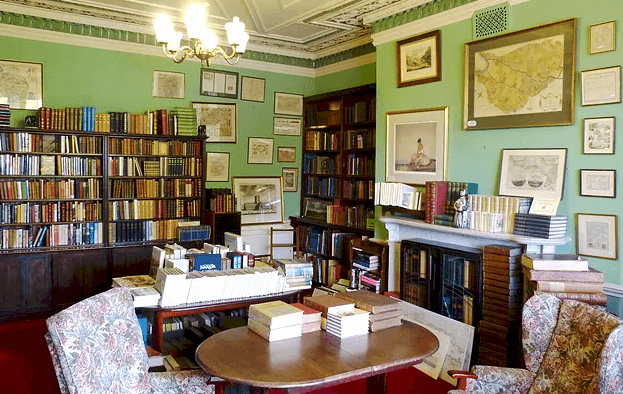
{"x": 287, "y": 126}
{"x": 419, "y": 59}
{"x": 601, "y": 37}
{"x": 218, "y": 83}
{"x": 27, "y": 93}
{"x": 288, "y": 104}
{"x": 599, "y": 135}
{"x": 290, "y": 179}
{"x": 537, "y": 91}
{"x": 597, "y": 235}
{"x": 417, "y": 145}
{"x": 601, "y": 86}
{"x": 533, "y": 172}
{"x": 286, "y": 154}
{"x": 259, "y": 199}
{"x": 260, "y": 151}
{"x": 598, "y": 183}
{"x": 253, "y": 89}
{"x": 219, "y": 119}
{"x": 217, "y": 166}
{"x": 169, "y": 84}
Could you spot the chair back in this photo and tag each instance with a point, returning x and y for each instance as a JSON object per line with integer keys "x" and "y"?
{"x": 99, "y": 346}
{"x": 539, "y": 317}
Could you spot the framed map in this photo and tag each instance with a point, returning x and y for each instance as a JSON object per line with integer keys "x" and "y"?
{"x": 217, "y": 166}
{"x": 253, "y": 89}
{"x": 597, "y": 235}
{"x": 169, "y": 84}
{"x": 288, "y": 104}
{"x": 521, "y": 79}
{"x": 21, "y": 84}
{"x": 219, "y": 119}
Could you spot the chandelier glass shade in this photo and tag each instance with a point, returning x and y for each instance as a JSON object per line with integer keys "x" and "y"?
{"x": 204, "y": 42}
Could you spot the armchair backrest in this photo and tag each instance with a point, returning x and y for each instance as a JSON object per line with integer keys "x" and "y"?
{"x": 99, "y": 345}
{"x": 612, "y": 363}
{"x": 539, "y": 318}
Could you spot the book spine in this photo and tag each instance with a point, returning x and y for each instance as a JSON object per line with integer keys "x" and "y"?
{"x": 570, "y": 287}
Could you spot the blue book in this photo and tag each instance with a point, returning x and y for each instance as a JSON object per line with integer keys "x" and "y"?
{"x": 205, "y": 261}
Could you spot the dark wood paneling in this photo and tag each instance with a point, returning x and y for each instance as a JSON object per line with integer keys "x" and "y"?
{"x": 10, "y": 283}
{"x": 79, "y": 275}
{"x": 36, "y": 271}
{"x": 131, "y": 260}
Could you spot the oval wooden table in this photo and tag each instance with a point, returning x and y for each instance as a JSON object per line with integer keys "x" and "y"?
{"x": 314, "y": 360}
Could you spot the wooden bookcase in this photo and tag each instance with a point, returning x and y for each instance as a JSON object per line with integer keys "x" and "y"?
{"x": 337, "y": 180}
{"x": 220, "y": 223}
{"x": 374, "y": 248}
{"x": 63, "y": 181}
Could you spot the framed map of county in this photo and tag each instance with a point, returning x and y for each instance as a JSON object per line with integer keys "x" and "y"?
{"x": 21, "y": 84}
{"x": 521, "y": 79}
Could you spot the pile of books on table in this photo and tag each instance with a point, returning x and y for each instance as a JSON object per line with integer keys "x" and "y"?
{"x": 142, "y": 288}
{"x": 298, "y": 273}
{"x": 566, "y": 276}
{"x": 326, "y": 304}
{"x": 540, "y": 226}
{"x": 385, "y": 312}
{"x": 311, "y": 318}
{"x": 348, "y": 323}
{"x": 275, "y": 320}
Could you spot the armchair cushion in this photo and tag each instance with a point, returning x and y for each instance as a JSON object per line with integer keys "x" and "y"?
{"x": 539, "y": 318}
{"x": 571, "y": 363}
{"x": 499, "y": 380}
{"x": 612, "y": 363}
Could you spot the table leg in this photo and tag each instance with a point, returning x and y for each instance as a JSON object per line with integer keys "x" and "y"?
{"x": 157, "y": 332}
{"x": 376, "y": 384}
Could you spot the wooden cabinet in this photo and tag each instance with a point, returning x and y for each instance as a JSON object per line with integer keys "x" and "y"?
{"x": 78, "y": 275}
{"x": 26, "y": 283}
{"x": 374, "y": 248}
{"x": 220, "y": 223}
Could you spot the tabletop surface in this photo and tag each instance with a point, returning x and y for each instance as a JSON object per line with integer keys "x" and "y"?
{"x": 314, "y": 359}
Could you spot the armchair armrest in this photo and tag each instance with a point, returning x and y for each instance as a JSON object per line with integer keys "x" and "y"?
{"x": 461, "y": 377}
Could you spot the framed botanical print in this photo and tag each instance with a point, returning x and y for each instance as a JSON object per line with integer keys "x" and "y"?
{"x": 260, "y": 151}
{"x": 597, "y": 235}
{"x": 217, "y": 166}
{"x": 419, "y": 59}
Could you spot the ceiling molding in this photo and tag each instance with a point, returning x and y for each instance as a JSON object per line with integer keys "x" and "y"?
{"x": 436, "y": 21}
{"x": 393, "y": 10}
{"x": 345, "y": 65}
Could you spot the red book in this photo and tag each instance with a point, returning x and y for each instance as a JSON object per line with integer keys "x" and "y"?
{"x": 309, "y": 314}
{"x": 163, "y": 122}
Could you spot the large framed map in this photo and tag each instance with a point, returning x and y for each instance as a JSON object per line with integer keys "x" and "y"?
{"x": 521, "y": 79}
{"x": 219, "y": 120}
{"x": 21, "y": 84}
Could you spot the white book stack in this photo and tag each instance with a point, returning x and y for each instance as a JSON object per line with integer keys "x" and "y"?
{"x": 275, "y": 320}
{"x": 345, "y": 324}
{"x": 298, "y": 273}
{"x": 145, "y": 296}
{"x": 172, "y": 284}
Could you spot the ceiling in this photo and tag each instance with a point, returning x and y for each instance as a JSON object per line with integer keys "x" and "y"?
{"x": 308, "y": 28}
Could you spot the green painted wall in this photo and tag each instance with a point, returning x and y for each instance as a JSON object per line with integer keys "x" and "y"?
{"x": 474, "y": 156}
{"x": 358, "y": 76}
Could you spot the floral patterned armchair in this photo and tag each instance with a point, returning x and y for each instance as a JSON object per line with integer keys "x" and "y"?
{"x": 569, "y": 347}
{"x": 97, "y": 347}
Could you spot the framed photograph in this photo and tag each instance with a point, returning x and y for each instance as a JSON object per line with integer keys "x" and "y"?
{"x": 419, "y": 59}
{"x": 601, "y": 86}
{"x": 259, "y": 199}
{"x": 286, "y": 154}
{"x": 287, "y": 126}
{"x": 218, "y": 83}
{"x": 217, "y": 166}
{"x": 598, "y": 183}
{"x": 597, "y": 235}
{"x": 601, "y": 37}
{"x": 169, "y": 84}
{"x": 315, "y": 208}
{"x": 417, "y": 145}
{"x": 260, "y": 151}
{"x": 290, "y": 179}
{"x": 21, "y": 84}
{"x": 499, "y": 96}
{"x": 533, "y": 172}
{"x": 599, "y": 135}
{"x": 219, "y": 119}
{"x": 288, "y": 104}
{"x": 253, "y": 89}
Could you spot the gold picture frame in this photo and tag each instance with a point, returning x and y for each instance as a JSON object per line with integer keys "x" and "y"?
{"x": 537, "y": 91}
{"x": 601, "y": 37}
{"x": 419, "y": 59}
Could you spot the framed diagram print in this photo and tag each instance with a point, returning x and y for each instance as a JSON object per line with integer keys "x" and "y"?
{"x": 598, "y": 135}
{"x": 533, "y": 172}
{"x": 597, "y": 235}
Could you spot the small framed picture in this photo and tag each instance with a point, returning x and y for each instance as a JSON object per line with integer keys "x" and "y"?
{"x": 260, "y": 151}
{"x": 169, "y": 84}
{"x": 288, "y": 104}
{"x": 316, "y": 209}
{"x": 601, "y": 37}
{"x": 599, "y": 135}
{"x": 218, "y": 83}
{"x": 601, "y": 86}
{"x": 597, "y": 235}
{"x": 598, "y": 183}
{"x": 419, "y": 59}
{"x": 253, "y": 89}
{"x": 287, "y": 126}
{"x": 217, "y": 167}
{"x": 290, "y": 179}
{"x": 286, "y": 154}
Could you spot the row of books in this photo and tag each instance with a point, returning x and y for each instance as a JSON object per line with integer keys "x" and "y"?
{"x": 153, "y": 209}
{"x": 33, "y": 165}
{"x": 364, "y": 279}
{"x": 361, "y": 112}
{"x": 358, "y": 189}
{"x": 133, "y": 146}
{"x": 440, "y": 197}
{"x": 27, "y": 142}
{"x": 322, "y": 187}
{"x": 359, "y": 139}
{"x": 71, "y": 119}
{"x": 5, "y": 115}
{"x": 358, "y": 216}
{"x": 320, "y": 165}
{"x": 359, "y": 165}
{"x": 324, "y": 117}
{"x": 164, "y": 166}
{"x": 67, "y": 211}
{"x": 153, "y": 188}
{"x": 74, "y": 234}
{"x": 50, "y": 189}
{"x": 143, "y": 230}
{"x": 321, "y": 140}
{"x": 496, "y": 214}
{"x": 220, "y": 200}
{"x": 540, "y": 226}
{"x": 399, "y": 195}
{"x": 298, "y": 272}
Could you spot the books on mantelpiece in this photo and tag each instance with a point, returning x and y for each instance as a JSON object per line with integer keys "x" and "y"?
{"x": 555, "y": 262}
{"x": 348, "y": 323}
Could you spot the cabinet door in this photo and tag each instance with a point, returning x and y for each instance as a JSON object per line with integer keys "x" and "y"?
{"x": 26, "y": 282}
{"x": 133, "y": 260}
{"x": 10, "y": 284}
{"x": 459, "y": 289}
{"x": 417, "y": 279}
{"x": 78, "y": 275}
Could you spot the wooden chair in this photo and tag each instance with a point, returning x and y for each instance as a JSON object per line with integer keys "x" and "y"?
{"x": 295, "y": 244}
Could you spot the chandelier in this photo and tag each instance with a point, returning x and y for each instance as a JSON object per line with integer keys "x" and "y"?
{"x": 204, "y": 43}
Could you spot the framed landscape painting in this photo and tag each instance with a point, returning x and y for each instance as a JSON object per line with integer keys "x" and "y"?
{"x": 259, "y": 199}
{"x": 419, "y": 59}
{"x": 417, "y": 145}
{"x": 521, "y": 79}
{"x": 533, "y": 172}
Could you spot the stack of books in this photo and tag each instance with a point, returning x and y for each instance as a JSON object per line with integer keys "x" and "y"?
{"x": 184, "y": 121}
{"x": 540, "y": 226}
{"x": 142, "y": 288}
{"x": 275, "y": 320}
{"x": 298, "y": 273}
{"x": 500, "y": 327}
{"x": 567, "y": 276}
{"x": 5, "y": 115}
{"x": 385, "y": 312}
{"x": 311, "y": 318}
{"x": 348, "y": 323}
{"x": 326, "y": 304}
